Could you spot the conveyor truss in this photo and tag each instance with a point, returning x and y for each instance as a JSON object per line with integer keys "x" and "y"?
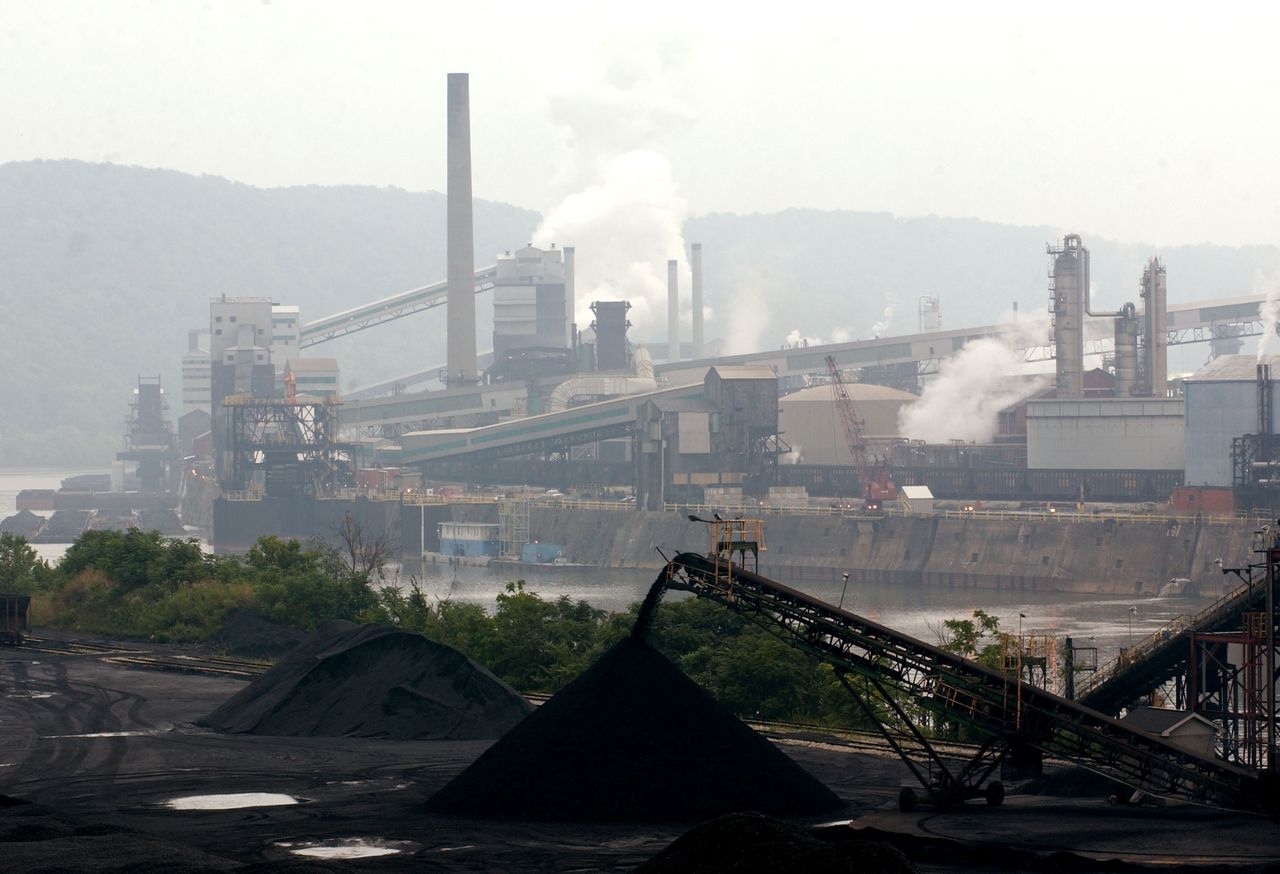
{"x": 914, "y": 693}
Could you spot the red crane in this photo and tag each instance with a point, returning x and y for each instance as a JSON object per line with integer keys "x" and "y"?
{"x": 875, "y": 483}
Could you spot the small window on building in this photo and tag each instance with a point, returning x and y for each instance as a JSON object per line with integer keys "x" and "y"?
{"x": 1119, "y": 563}
{"x": 906, "y": 554}
{"x": 218, "y": 319}
{"x": 232, "y": 319}
{"x": 1044, "y": 560}
{"x": 218, "y": 331}
{"x": 973, "y": 558}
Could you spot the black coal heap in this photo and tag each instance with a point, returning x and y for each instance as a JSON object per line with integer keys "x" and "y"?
{"x": 631, "y": 739}
{"x": 373, "y": 681}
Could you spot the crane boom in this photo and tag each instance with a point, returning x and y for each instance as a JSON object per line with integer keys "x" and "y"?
{"x": 875, "y": 485}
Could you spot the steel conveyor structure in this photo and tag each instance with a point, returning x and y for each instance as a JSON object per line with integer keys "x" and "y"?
{"x": 1162, "y": 657}
{"x": 917, "y": 682}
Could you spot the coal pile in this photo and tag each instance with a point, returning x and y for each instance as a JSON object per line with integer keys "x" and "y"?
{"x": 351, "y": 680}
{"x": 631, "y": 739}
{"x": 248, "y": 635}
{"x": 750, "y": 843}
{"x": 24, "y": 523}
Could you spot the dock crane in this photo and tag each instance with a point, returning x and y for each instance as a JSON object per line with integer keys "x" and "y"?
{"x": 875, "y": 483}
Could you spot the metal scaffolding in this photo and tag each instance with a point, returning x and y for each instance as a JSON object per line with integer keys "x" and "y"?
{"x": 282, "y": 447}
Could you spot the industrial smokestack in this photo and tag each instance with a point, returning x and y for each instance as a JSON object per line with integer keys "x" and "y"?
{"x": 673, "y": 312}
{"x": 697, "y": 301}
{"x": 1069, "y": 279}
{"x": 569, "y": 302}
{"x": 1155, "y": 375}
{"x": 461, "y": 301}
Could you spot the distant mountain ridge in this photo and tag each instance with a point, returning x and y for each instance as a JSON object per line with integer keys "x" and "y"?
{"x": 104, "y": 268}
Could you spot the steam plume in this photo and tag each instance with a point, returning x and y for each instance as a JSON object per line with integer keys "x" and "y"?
{"x": 964, "y": 401}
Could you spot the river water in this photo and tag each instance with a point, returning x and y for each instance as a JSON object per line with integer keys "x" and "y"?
{"x": 916, "y": 611}
{"x": 913, "y": 610}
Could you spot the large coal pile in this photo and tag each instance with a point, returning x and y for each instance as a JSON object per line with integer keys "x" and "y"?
{"x": 373, "y": 681}
{"x": 631, "y": 739}
{"x": 248, "y": 634}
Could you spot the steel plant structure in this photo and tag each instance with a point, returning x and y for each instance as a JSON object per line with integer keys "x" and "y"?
{"x": 283, "y": 447}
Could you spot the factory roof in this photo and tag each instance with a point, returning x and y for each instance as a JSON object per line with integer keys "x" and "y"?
{"x": 858, "y": 391}
{"x": 745, "y": 371}
{"x": 1233, "y": 368}
{"x": 1162, "y": 721}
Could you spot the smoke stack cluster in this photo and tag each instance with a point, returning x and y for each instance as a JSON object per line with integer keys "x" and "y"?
{"x": 461, "y": 276}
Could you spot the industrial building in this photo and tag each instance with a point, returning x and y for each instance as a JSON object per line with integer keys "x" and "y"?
{"x": 1221, "y": 405}
{"x": 809, "y": 425}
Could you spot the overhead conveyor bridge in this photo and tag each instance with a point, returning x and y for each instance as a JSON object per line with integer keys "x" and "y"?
{"x": 1162, "y": 657}
{"x": 894, "y": 676}
{"x": 379, "y": 312}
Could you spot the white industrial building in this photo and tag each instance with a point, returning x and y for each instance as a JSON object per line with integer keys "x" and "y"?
{"x": 1222, "y": 404}
{"x": 1105, "y": 434}
{"x": 197, "y": 380}
{"x": 317, "y": 377}
{"x": 810, "y": 425}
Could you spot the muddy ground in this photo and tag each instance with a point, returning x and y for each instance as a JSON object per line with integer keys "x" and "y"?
{"x": 107, "y": 745}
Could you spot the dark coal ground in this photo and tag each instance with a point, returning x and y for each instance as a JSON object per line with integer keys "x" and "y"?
{"x": 100, "y": 799}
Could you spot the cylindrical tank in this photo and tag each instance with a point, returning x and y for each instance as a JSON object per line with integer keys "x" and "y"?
{"x": 1155, "y": 329}
{"x": 1068, "y": 312}
{"x": 1126, "y": 351}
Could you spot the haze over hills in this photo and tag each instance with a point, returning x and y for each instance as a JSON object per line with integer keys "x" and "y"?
{"x": 104, "y": 268}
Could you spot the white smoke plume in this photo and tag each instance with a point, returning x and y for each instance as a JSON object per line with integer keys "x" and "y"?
{"x": 1269, "y": 313}
{"x": 881, "y": 328}
{"x": 964, "y": 400}
{"x": 623, "y": 211}
{"x": 797, "y": 340}
{"x": 749, "y": 318}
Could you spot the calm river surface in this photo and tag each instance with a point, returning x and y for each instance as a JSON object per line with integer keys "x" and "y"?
{"x": 916, "y": 611}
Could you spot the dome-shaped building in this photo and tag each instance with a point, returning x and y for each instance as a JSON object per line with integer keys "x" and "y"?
{"x": 812, "y": 427}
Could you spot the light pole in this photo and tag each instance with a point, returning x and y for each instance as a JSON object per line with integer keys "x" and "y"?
{"x": 844, "y": 590}
{"x": 1132, "y": 611}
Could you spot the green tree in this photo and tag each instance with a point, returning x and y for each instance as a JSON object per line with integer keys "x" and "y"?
{"x": 21, "y": 569}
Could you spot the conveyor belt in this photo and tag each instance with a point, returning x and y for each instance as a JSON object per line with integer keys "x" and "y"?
{"x": 1007, "y": 712}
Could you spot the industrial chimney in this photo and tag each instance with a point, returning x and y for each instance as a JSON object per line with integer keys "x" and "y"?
{"x": 1155, "y": 376}
{"x": 570, "y": 303}
{"x": 1069, "y": 279}
{"x": 673, "y": 312}
{"x": 461, "y": 276}
{"x": 696, "y": 264}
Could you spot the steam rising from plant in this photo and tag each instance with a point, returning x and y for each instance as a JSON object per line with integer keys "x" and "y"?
{"x": 1269, "y": 313}
{"x": 964, "y": 400}
{"x": 624, "y": 212}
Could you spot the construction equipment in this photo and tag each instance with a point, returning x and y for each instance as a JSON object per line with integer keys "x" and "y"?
{"x": 873, "y": 476}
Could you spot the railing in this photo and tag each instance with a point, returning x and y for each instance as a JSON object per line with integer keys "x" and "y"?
{"x": 1161, "y": 636}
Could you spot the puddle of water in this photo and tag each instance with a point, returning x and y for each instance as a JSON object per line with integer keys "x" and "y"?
{"x": 101, "y": 734}
{"x": 230, "y": 801}
{"x": 29, "y": 695}
{"x": 347, "y": 848}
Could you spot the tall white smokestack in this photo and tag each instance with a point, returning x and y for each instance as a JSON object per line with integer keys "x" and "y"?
{"x": 570, "y": 304}
{"x": 696, "y": 264}
{"x": 461, "y": 301}
{"x": 673, "y": 312}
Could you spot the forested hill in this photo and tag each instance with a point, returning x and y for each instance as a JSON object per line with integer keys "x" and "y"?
{"x": 104, "y": 269}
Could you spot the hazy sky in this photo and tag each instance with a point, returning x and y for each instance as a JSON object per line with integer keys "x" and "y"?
{"x": 1153, "y": 123}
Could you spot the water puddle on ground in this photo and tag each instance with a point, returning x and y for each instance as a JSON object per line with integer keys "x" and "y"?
{"x": 347, "y": 848}
{"x": 230, "y": 801}
{"x": 104, "y": 734}
{"x": 29, "y": 695}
